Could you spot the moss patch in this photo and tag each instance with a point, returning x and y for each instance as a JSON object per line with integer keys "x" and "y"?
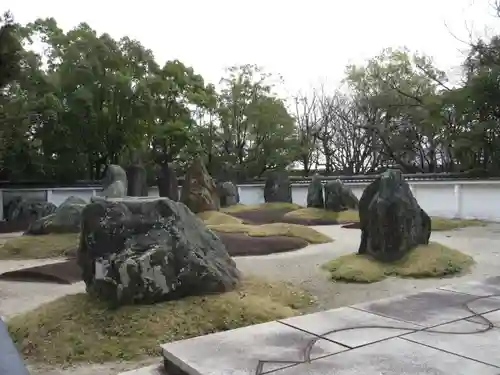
{"x": 76, "y": 328}
{"x": 433, "y": 260}
{"x": 262, "y": 206}
{"x": 441, "y": 224}
{"x": 276, "y": 229}
{"x": 217, "y": 218}
{"x": 321, "y": 214}
{"x": 39, "y": 247}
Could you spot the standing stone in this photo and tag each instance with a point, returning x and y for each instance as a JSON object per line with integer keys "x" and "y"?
{"x": 168, "y": 186}
{"x": 114, "y": 182}
{"x": 199, "y": 191}
{"x": 137, "y": 181}
{"x": 147, "y": 250}
{"x": 65, "y": 219}
{"x": 315, "y": 193}
{"x": 278, "y": 188}
{"x": 339, "y": 197}
{"x": 392, "y": 222}
{"x": 228, "y": 194}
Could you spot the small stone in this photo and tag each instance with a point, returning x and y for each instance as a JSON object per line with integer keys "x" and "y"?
{"x": 278, "y": 188}
{"x": 315, "y": 193}
{"x": 147, "y": 250}
{"x": 199, "y": 191}
{"x": 28, "y": 210}
{"x": 168, "y": 185}
{"x": 65, "y": 219}
{"x": 392, "y": 222}
{"x": 228, "y": 194}
{"x": 339, "y": 197}
{"x": 114, "y": 182}
{"x": 137, "y": 181}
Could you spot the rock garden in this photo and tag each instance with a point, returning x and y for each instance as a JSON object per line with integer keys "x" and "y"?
{"x": 161, "y": 269}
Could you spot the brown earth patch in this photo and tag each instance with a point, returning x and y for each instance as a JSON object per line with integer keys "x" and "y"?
{"x": 352, "y": 226}
{"x": 66, "y": 272}
{"x": 240, "y": 244}
{"x": 14, "y": 226}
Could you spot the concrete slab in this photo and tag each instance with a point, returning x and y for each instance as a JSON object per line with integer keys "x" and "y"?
{"x": 474, "y": 288}
{"x": 484, "y": 347}
{"x": 149, "y": 370}
{"x": 391, "y": 357}
{"x": 238, "y": 352}
{"x": 366, "y": 327}
{"x": 432, "y": 307}
{"x": 493, "y": 317}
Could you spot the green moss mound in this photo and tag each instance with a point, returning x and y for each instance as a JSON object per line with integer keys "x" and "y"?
{"x": 426, "y": 261}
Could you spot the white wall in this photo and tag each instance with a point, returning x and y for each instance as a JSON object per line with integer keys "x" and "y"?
{"x": 461, "y": 199}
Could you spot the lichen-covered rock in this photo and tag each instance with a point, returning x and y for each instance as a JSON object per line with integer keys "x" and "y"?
{"x": 315, "y": 193}
{"x": 278, "y": 188}
{"x": 27, "y": 210}
{"x": 65, "y": 219}
{"x": 146, "y": 250}
{"x": 137, "y": 181}
{"x": 168, "y": 185}
{"x": 228, "y": 194}
{"x": 199, "y": 191}
{"x": 392, "y": 222}
{"x": 339, "y": 197}
{"x": 114, "y": 183}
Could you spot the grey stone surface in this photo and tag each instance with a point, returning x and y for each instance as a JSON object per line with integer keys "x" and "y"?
{"x": 315, "y": 196}
{"x": 278, "y": 187}
{"x": 140, "y": 250}
{"x": 392, "y": 357}
{"x": 237, "y": 352}
{"x": 325, "y": 321}
{"x": 493, "y": 317}
{"x": 149, "y": 370}
{"x": 11, "y": 362}
{"x": 484, "y": 347}
{"x": 431, "y": 307}
{"x": 474, "y": 288}
{"x": 391, "y": 220}
{"x": 114, "y": 182}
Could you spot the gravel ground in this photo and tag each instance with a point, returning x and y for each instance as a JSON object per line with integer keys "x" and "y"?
{"x": 300, "y": 267}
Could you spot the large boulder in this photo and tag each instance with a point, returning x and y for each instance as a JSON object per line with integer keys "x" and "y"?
{"x": 339, "y": 197}
{"x": 228, "y": 194}
{"x": 199, "y": 191}
{"x": 114, "y": 183}
{"x": 315, "y": 193}
{"x": 137, "y": 180}
{"x": 146, "y": 250}
{"x": 65, "y": 219}
{"x": 278, "y": 188}
{"x": 168, "y": 186}
{"x": 392, "y": 222}
{"x": 27, "y": 210}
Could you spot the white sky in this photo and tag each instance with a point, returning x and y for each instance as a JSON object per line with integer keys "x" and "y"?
{"x": 307, "y": 42}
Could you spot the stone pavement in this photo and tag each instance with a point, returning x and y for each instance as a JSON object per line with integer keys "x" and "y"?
{"x": 450, "y": 330}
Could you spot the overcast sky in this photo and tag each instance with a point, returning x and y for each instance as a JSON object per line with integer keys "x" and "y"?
{"x": 307, "y": 42}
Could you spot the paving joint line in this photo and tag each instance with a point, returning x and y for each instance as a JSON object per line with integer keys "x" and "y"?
{"x": 448, "y": 352}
